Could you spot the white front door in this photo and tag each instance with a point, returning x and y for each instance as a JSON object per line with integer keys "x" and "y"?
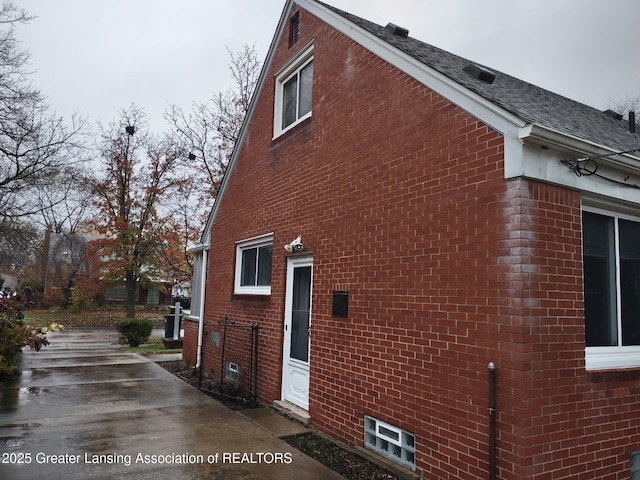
{"x": 297, "y": 329}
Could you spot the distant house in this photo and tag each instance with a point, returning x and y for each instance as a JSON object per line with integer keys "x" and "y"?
{"x": 152, "y": 294}
{"x": 66, "y": 261}
{"x": 450, "y": 216}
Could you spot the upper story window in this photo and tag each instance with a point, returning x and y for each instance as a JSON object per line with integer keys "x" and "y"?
{"x": 293, "y": 92}
{"x": 611, "y": 258}
{"x": 253, "y": 266}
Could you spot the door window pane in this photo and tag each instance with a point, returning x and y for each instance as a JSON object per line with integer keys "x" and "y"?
{"x": 300, "y": 314}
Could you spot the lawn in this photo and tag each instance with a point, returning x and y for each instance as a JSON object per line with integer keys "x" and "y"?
{"x": 98, "y": 318}
{"x": 153, "y": 346}
{"x": 103, "y": 318}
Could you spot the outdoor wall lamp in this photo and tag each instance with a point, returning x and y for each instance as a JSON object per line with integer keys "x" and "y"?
{"x": 296, "y": 246}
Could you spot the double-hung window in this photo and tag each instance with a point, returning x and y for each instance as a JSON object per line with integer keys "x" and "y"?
{"x": 611, "y": 257}
{"x": 253, "y": 266}
{"x": 293, "y": 93}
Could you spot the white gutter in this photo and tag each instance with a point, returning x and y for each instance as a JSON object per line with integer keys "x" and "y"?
{"x": 203, "y": 285}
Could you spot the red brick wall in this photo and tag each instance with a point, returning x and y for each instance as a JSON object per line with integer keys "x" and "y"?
{"x": 401, "y": 197}
{"x": 190, "y": 342}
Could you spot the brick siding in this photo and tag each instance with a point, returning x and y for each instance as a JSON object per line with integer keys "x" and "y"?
{"x": 402, "y": 200}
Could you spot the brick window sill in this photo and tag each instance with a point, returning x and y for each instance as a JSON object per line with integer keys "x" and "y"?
{"x": 247, "y": 296}
{"x": 614, "y": 375}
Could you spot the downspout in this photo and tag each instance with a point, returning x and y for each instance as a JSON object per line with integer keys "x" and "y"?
{"x": 203, "y": 284}
{"x": 492, "y": 421}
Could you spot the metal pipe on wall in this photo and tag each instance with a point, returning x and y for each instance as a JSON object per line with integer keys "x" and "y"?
{"x": 492, "y": 421}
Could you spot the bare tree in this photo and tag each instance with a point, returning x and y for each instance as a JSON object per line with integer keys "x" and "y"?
{"x": 626, "y": 105}
{"x": 33, "y": 143}
{"x": 209, "y": 132}
{"x": 18, "y": 241}
{"x": 139, "y": 173}
{"x": 62, "y": 202}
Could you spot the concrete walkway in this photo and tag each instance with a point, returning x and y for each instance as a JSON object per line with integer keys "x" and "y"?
{"x": 84, "y": 410}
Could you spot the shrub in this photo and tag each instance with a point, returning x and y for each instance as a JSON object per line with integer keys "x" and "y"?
{"x": 16, "y": 334}
{"x": 134, "y": 331}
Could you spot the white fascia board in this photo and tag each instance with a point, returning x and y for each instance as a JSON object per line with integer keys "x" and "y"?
{"x": 552, "y": 138}
{"x": 544, "y": 149}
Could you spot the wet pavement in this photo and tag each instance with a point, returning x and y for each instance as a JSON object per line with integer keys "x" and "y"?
{"x": 82, "y": 409}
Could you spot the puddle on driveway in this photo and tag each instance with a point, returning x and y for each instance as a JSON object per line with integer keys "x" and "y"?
{"x": 13, "y": 397}
{"x": 14, "y": 435}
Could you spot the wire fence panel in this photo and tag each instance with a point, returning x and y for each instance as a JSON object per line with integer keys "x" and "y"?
{"x": 231, "y": 354}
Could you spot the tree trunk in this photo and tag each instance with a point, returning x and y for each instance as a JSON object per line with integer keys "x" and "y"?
{"x": 130, "y": 294}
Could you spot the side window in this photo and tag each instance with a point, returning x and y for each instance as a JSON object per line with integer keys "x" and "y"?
{"x": 294, "y": 93}
{"x": 611, "y": 262}
{"x": 253, "y": 266}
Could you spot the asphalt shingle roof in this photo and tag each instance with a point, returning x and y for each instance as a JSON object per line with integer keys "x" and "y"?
{"x": 528, "y": 102}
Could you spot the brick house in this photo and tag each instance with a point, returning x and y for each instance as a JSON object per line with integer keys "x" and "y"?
{"x": 450, "y": 216}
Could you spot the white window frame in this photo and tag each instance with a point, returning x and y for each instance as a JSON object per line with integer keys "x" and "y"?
{"x": 603, "y": 358}
{"x": 250, "y": 243}
{"x": 293, "y": 68}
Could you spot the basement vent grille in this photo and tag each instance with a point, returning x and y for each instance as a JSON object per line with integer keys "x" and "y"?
{"x": 390, "y": 441}
{"x": 233, "y": 372}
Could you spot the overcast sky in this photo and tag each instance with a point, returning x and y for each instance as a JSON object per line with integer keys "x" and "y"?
{"x": 96, "y": 57}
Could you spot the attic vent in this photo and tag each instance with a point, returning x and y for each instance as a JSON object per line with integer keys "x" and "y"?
{"x": 481, "y": 73}
{"x": 613, "y": 114}
{"x": 396, "y": 30}
{"x": 294, "y": 28}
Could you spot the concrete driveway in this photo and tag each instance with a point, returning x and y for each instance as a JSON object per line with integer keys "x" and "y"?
{"x": 84, "y": 410}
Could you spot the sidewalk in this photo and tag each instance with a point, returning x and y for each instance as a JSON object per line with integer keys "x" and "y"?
{"x": 84, "y": 410}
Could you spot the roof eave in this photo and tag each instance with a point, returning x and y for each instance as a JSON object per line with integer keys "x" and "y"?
{"x": 541, "y": 135}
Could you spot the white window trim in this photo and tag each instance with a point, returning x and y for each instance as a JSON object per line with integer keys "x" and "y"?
{"x": 624, "y": 356}
{"x": 240, "y": 246}
{"x": 294, "y": 66}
